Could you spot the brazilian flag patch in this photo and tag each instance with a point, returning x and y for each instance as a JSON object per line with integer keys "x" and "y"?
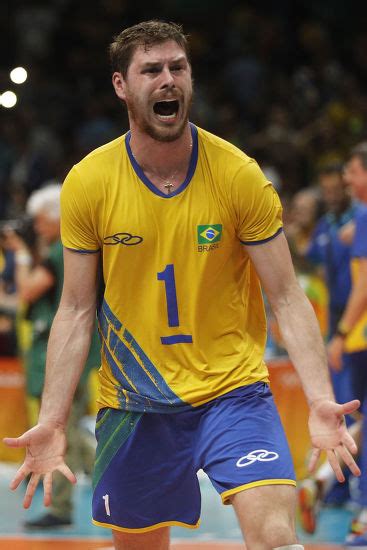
{"x": 208, "y": 234}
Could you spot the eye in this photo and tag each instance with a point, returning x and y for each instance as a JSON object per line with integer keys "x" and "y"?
{"x": 151, "y": 70}
{"x": 176, "y": 68}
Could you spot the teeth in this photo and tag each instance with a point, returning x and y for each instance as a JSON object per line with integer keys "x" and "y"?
{"x": 167, "y": 116}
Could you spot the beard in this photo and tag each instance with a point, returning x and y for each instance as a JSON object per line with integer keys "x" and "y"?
{"x": 164, "y": 134}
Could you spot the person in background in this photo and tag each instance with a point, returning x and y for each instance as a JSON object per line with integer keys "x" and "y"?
{"x": 351, "y": 332}
{"x": 327, "y": 250}
{"x": 188, "y": 228}
{"x": 303, "y": 215}
{"x": 8, "y": 303}
{"x": 39, "y": 281}
{"x": 304, "y": 211}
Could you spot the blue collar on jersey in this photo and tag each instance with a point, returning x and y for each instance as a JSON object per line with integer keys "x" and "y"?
{"x": 190, "y": 172}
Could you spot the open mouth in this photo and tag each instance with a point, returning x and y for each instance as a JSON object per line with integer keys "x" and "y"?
{"x": 167, "y": 109}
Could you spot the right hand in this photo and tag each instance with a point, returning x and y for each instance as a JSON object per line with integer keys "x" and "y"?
{"x": 45, "y": 448}
{"x": 329, "y": 432}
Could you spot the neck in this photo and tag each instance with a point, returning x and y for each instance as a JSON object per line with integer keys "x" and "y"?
{"x": 161, "y": 157}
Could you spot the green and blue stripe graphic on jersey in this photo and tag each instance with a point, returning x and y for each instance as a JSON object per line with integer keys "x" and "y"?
{"x": 141, "y": 386}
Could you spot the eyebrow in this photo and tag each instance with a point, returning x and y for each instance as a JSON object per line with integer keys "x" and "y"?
{"x": 179, "y": 59}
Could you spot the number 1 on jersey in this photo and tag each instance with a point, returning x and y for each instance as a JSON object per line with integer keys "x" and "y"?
{"x": 168, "y": 277}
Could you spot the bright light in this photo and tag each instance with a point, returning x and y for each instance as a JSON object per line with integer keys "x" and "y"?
{"x": 8, "y": 99}
{"x": 18, "y": 75}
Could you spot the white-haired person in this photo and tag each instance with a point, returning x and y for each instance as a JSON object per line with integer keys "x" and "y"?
{"x": 39, "y": 280}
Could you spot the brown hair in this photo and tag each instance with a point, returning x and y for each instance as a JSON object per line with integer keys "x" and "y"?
{"x": 146, "y": 34}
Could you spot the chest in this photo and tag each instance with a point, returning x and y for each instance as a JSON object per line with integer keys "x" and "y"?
{"x": 196, "y": 220}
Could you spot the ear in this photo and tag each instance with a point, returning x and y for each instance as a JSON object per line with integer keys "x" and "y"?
{"x": 119, "y": 84}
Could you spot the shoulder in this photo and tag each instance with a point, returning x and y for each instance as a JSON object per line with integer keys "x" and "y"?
{"x": 230, "y": 165}
{"x": 87, "y": 177}
{"x": 220, "y": 152}
{"x": 102, "y": 157}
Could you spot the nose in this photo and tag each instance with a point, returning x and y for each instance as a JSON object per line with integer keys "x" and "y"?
{"x": 167, "y": 78}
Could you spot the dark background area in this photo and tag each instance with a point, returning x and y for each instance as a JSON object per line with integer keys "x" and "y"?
{"x": 285, "y": 81}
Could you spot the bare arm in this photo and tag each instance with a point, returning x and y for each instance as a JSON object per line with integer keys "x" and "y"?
{"x": 70, "y": 335}
{"x": 67, "y": 351}
{"x": 302, "y": 338}
{"x": 295, "y": 316}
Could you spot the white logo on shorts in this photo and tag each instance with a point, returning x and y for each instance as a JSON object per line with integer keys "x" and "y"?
{"x": 262, "y": 455}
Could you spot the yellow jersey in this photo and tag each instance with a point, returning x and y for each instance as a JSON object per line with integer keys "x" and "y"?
{"x": 182, "y": 318}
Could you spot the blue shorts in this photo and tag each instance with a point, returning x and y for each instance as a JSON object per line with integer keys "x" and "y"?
{"x": 146, "y": 463}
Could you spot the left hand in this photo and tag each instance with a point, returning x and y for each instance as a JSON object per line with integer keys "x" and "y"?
{"x": 329, "y": 432}
{"x": 335, "y": 350}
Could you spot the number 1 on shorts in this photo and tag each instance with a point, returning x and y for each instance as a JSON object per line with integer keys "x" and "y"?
{"x": 106, "y": 499}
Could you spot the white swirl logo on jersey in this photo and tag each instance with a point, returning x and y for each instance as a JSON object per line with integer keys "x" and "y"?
{"x": 260, "y": 455}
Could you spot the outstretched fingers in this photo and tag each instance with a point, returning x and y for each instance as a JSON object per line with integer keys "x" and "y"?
{"x": 19, "y": 477}
{"x": 47, "y": 489}
{"x": 348, "y": 460}
{"x": 334, "y": 463}
{"x": 315, "y": 455}
{"x": 21, "y": 441}
{"x": 349, "y": 443}
{"x": 337, "y": 457}
{"x": 350, "y": 407}
{"x": 65, "y": 470}
{"x": 31, "y": 488}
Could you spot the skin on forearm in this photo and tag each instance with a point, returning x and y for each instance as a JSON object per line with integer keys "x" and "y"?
{"x": 70, "y": 336}
{"x": 301, "y": 335}
{"x": 295, "y": 316}
{"x": 67, "y": 352}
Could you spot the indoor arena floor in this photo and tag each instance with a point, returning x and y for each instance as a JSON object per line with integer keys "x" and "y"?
{"x": 218, "y": 530}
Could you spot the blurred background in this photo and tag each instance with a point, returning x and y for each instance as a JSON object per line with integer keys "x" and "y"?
{"x": 285, "y": 81}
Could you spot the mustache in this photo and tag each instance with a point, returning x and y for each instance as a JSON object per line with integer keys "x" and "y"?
{"x": 172, "y": 95}
{"x": 168, "y": 96}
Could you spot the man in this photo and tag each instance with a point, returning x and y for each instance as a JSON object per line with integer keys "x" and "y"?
{"x": 351, "y": 334}
{"x": 327, "y": 250}
{"x": 182, "y": 220}
{"x": 39, "y": 286}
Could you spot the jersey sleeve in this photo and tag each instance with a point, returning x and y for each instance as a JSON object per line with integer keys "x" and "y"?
{"x": 359, "y": 247}
{"x": 257, "y": 205}
{"x": 77, "y": 217}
